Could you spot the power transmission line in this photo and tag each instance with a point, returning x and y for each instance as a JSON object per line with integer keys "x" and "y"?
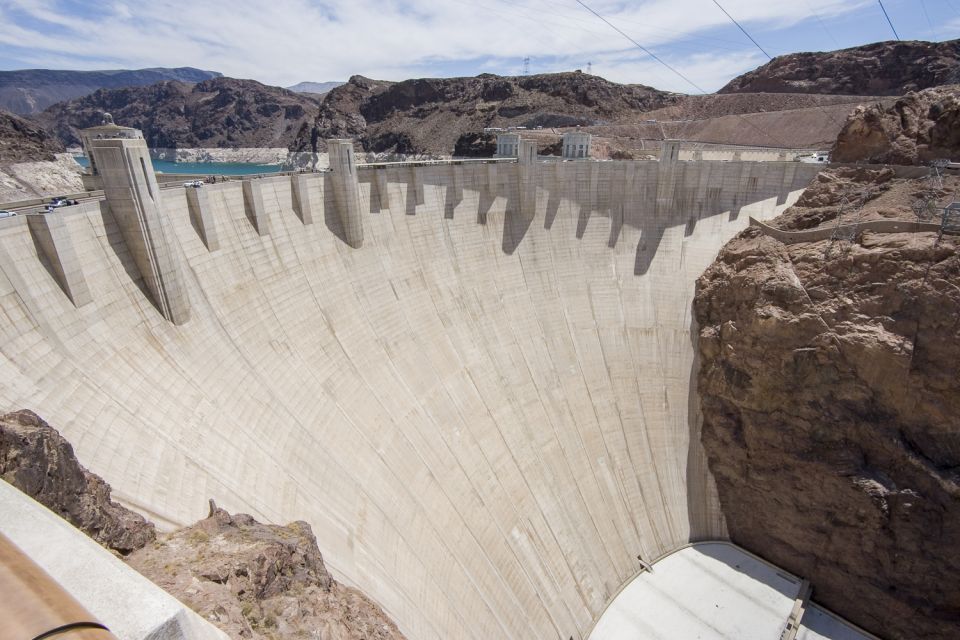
{"x": 822, "y": 25}
{"x": 818, "y": 106}
{"x": 688, "y": 80}
{"x": 641, "y": 47}
{"x": 923, "y": 5}
{"x": 742, "y": 29}
{"x": 887, "y": 16}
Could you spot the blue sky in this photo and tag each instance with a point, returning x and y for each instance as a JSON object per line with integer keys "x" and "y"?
{"x": 287, "y": 41}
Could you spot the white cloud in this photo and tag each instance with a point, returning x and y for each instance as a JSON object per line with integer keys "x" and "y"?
{"x": 287, "y": 41}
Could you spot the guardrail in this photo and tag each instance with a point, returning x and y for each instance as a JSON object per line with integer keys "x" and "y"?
{"x": 826, "y": 233}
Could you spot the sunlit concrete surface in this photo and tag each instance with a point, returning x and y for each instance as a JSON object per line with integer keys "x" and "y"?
{"x": 713, "y": 591}
{"x": 480, "y": 399}
{"x": 131, "y": 606}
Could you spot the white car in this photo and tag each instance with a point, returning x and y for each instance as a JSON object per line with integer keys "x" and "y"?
{"x": 193, "y": 184}
{"x": 7, "y": 214}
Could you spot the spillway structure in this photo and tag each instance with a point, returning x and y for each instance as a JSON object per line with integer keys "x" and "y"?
{"x": 475, "y": 380}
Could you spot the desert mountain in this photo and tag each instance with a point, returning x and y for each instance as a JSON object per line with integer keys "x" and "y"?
{"x": 22, "y": 140}
{"x": 221, "y": 112}
{"x": 429, "y": 115}
{"x": 878, "y": 69}
{"x": 32, "y": 90}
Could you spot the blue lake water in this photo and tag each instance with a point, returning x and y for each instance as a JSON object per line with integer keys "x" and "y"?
{"x": 204, "y": 168}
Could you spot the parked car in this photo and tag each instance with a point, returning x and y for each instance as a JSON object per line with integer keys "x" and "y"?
{"x": 7, "y": 214}
{"x": 60, "y": 201}
{"x": 194, "y": 184}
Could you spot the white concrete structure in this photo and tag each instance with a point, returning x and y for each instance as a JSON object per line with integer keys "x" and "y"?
{"x": 508, "y": 145}
{"x": 120, "y": 162}
{"x": 485, "y": 410}
{"x": 715, "y": 591}
{"x": 131, "y": 606}
{"x": 576, "y": 145}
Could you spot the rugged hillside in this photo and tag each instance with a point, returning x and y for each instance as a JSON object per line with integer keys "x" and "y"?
{"x": 223, "y": 112}
{"x": 878, "y": 69}
{"x": 22, "y": 140}
{"x": 430, "y": 115}
{"x": 38, "y": 461}
{"x": 830, "y": 388}
{"x": 32, "y": 90}
{"x": 252, "y": 580}
{"x": 919, "y": 127}
{"x": 260, "y": 581}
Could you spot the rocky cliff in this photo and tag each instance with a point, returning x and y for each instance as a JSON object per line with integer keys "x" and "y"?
{"x": 878, "y": 69}
{"x": 222, "y": 112}
{"x": 32, "y": 90}
{"x": 918, "y": 128}
{"x": 22, "y": 140}
{"x": 38, "y": 461}
{"x": 830, "y": 388}
{"x": 429, "y": 115}
{"x": 260, "y": 581}
{"x": 250, "y": 579}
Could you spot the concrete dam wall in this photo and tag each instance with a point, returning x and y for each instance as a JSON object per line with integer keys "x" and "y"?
{"x": 484, "y": 407}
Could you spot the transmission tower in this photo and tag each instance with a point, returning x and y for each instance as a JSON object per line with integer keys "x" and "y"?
{"x": 526, "y": 66}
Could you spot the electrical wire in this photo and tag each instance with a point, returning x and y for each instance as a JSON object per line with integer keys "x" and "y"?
{"x": 642, "y": 48}
{"x": 887, "y": 16}
{"x": 923, "y": 5}
{"x": 769, "y": 135}
{"x": 734, "y": 21}
{"x": 822, "y": 24}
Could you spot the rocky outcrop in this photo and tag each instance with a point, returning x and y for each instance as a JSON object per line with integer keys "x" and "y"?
{"x": 260, "y": 581}
{"x": 431, "y": 115}
{"x": 250, "y": 579}
{"x": 25, "y": 141}
{"x": 30, "y": 91}
{"x": 222, "y": 112}
{"x": 918, "y": 128}
{"x": 40, "y": 462}
{"x": 880, "y": 69}
{"x": 830, "y": 388}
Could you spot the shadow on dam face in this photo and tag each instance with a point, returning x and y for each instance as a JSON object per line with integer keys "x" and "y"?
{"x": 486, "y": 412}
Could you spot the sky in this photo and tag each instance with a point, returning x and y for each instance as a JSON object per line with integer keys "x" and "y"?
{"x": 282, "y": 42}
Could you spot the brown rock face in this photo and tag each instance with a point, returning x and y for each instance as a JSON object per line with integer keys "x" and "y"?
{"x": 430, "y": 115}
{"x": 918, "y": 128}
{"x": 220, "y": 112}
{"x": 24, "y": 141}
{"x": 830, "y": 388}
{"x": 878, "y": 69}
{"x": 40, "y": 462}
{"x": 260, "y": 581}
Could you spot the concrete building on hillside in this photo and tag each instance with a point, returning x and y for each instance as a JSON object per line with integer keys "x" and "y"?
{"x": 576, "y": 145}
{"x": 508, "y": 145}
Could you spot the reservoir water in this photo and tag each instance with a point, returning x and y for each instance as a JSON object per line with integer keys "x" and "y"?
{"x": 204, "y": 168}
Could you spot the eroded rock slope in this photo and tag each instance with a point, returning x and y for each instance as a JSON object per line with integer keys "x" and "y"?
{"x": 41, "y": 463}
{"x": 918, "y": 128}
{"x": 252, "y": 580}
{"x": 260, "y": 581}
{"x": 889, "y": 68}
{"x": 830, "y": 388}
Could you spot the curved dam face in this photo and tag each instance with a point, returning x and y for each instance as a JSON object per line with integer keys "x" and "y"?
{"x": 485, "y": 411}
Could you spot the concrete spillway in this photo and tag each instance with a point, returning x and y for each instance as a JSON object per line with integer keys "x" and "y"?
{"x": 484, "y": 410}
